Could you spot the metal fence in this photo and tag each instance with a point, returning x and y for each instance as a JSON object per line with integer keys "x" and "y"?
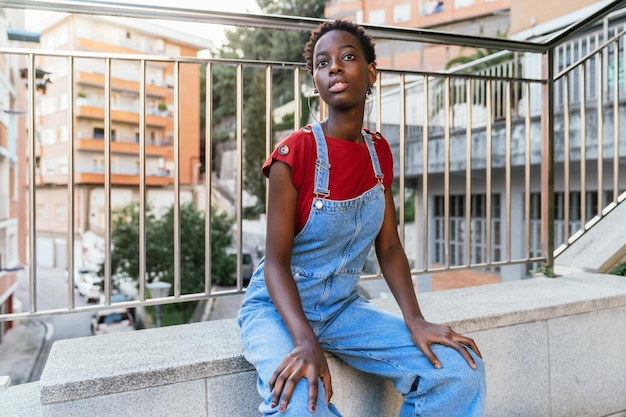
{"x": 471, "y": 145}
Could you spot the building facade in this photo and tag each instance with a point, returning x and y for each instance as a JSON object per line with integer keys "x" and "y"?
{"x": 12, "y": 165}
{"x": 119, "y": 38}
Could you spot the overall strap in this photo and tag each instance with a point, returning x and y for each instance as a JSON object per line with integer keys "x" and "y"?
{"x": 374, "y": 157}
{"x": 322, "y": 166}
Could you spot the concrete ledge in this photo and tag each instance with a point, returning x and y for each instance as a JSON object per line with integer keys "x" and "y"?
{"x": 116, "y": 363}
{"x": 21, "y": 401}
{"x": 553, "y": 347}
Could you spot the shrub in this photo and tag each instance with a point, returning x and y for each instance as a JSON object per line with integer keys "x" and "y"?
{"x": 619, "y": 270}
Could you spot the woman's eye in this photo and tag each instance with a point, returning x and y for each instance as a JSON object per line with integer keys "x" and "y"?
{"x": 321, "y": 63}
{"x": 348, "y": 57}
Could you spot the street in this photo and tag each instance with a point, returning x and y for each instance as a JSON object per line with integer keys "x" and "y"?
{"x": 52, "y": 293}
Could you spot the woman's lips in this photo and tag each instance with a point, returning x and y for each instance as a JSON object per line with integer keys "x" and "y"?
{"x": 338, "y": 87}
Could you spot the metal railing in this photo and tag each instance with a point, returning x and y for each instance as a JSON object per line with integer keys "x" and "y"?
{"x": 472, "y": 140}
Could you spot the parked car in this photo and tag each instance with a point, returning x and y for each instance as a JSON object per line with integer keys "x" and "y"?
{"x": 112, "y": 321}
{"x": 89, "y": 286}
{"x": 79, "y": 272}
{"x": 247, "y": 267}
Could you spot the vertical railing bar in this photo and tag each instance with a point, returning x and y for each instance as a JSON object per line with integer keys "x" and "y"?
{"x": 402, "y": 161}
{"x": 268, "y": 119}
{"x": 379, "y": 107}
{"x": 446, "y": 173}
{"x": 70, "y": 184}
{"x": 208, "y": 180}
{"x": 297, "y": 116}
{"x": 600, "y": 94}
{"x": 177, "y": 277}
{"x": 425, "y": 200}
{"x": 507, "y": 174}
{"x": 547, "y": 160}
{"x": 379, "y": 125}
{"x": 468, "y": 173}
{"x": 566, "y": 159}
{"x": 583, "y": 145}
{"x": 142, "y": 181}
{"x": 488, "y": 185}
{"x": 527, "y": 165}
{"x": 107, "y": 181}
{"x": 239, "y": 138}
{"x": 616, "y": 122}
{"x": 32, "y": 220}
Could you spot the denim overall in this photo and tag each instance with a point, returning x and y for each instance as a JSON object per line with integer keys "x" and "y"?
{"x": 327, "y": 259}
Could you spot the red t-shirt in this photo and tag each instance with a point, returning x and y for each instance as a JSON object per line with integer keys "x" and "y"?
{"x": 351, "y": 172}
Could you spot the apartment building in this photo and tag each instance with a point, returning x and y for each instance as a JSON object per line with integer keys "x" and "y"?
{"x": 468, "y": 17}
{"x": 127, "y": 42}
{"x": 11, "y": 166}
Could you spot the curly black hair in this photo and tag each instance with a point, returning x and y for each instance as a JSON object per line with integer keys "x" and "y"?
{"x": 366, "y": 40}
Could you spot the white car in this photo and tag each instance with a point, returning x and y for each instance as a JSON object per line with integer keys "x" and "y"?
{"x": 112, "y": 321}
{"x": 89, "y": 286}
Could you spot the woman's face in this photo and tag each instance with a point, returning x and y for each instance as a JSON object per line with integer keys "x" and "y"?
{"x": 340, "y": 71}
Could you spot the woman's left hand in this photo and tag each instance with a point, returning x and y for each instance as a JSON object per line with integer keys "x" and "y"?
{"x": 425, "y": 334}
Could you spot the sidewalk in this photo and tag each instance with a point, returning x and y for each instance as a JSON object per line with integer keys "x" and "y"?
{"x": 20, "y": 350}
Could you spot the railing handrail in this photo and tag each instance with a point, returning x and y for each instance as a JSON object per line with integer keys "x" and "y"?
{"x": 270, "y": 21}
{"x": 266, "y": 21}
{"x": 575, "y": 28}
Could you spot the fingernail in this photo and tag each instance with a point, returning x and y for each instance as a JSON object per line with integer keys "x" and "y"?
{"x": 312, "y": 408}
{"x": 273, "y": 405}
{"x": 438, "y": 366}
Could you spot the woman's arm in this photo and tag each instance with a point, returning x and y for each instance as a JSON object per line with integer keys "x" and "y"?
{"x": 307, "y": 360}
{"x": 395, "y": 268}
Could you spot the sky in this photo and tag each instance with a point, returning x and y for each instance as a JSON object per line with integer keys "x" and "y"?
{"x": 212, "y": 32}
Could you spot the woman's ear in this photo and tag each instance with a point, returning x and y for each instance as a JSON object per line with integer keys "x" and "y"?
{"x": 371, "y": 73}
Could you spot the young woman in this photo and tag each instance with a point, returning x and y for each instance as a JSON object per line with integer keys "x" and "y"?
{"x": 330, "y": 199}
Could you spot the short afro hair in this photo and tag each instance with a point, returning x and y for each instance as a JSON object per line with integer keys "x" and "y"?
{"x": 347, "y": 26}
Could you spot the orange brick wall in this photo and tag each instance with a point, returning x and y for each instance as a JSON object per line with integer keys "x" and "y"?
{"x": 541, "y": 11}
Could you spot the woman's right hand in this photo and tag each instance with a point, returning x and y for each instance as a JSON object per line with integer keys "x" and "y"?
{"x": 306, "y": 360}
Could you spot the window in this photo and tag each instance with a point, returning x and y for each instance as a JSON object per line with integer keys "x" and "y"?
{"x": 477, "y": 234}
{"x": 62, "y": 134}
{"x": 60, "y": 213}
{"x": 40, "y": 212}
{"x": 402, "y": 13}
{"x": 98, "y": 163}
{"x": 62, "y": 165}
{"x": 49, "y": 167}
{"x": 48, "y": 137}
{"x": 98, "y": 133}
{"x": 429, "y": 7}
{"x": 377, "y": 17}
{"x": 459, "y": 4}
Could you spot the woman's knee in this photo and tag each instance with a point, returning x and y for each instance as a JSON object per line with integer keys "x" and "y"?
{"x": 458, "y": 370}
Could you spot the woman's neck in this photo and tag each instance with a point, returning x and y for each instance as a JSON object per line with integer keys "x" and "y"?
{"x": 344, "y": 126}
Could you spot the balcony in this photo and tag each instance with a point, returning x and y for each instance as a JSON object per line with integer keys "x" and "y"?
{"x": 97, "y": 80}
{"x": 553, "y": 346}
{"x": 122, "y": 147}
{"x": 95, "y": 110}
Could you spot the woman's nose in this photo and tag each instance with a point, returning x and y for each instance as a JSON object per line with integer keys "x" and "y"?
{"x": 335, "y": 66}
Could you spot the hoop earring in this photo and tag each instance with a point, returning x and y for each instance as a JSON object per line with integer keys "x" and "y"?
{"x": 312, "y": 93}
{"x": 369, "y": 101}
{"x": 369, "y": 104}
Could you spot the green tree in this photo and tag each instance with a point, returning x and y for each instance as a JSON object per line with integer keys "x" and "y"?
{"x": 260, "y": 44}
{"x": 159, "y": 245}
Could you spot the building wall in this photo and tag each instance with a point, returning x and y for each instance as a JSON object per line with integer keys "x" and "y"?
{"x": 528, "y": 13}
{"x": 10, "y": 164}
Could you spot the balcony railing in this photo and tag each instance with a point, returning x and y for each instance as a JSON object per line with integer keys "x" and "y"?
{"x": 493, "y": 144}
